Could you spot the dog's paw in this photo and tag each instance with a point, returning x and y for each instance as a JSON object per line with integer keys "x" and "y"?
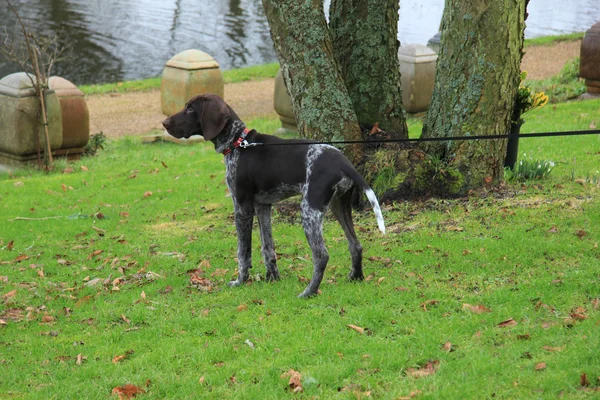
{"x": 307, "y": 294}
{"x": 356, "y": 277}
{"x": 235, "y": 283}
{"x": 273, "y": 276}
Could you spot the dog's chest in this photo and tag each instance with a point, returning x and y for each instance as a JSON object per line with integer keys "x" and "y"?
{"x": 240, "y": 185}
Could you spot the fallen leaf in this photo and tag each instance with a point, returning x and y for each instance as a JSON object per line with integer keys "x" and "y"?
{"x": 583, "y": 380}
{"x": 80, "y": 359}
{"x": 10, "y": 245}
{"x": 10, "y": 294}
{"x": 295, "y": 380}
{"x": 117, "y": 359}
{"x": 242, "y": 307}
{"x": 127, "y": 391}
{"x": 447, "y": 347}
{"x": 411, "y": 395}
{"x": 147, "y": 194}
{"x": 553, "y": 349}
{"x": 48, "y": 319}
{"x": 428, "y": 369}
{"x": 428, "y": 303}
{"x": 375, "y": 130}
{"x": 554, "y": 229}
{"x": 578, "y": 314}
{"x": 21, "y": 257}
{"x": 356, "y": 328}
{"x": 508, "y": 323}
{"x": 476, "y": 309}
{"x": 121, "y": 357}
{"x": 540, "y": 366}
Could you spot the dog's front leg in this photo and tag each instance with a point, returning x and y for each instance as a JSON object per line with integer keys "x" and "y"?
{"x": 244, "y": 214}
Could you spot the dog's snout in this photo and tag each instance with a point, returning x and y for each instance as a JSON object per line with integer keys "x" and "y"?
{"x": 167, "y": 123}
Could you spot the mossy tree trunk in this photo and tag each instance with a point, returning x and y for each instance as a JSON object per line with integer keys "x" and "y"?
{"x": 365, "y": 44}
{"x": 477, "y": 78}
{"x": 311, "y": 74}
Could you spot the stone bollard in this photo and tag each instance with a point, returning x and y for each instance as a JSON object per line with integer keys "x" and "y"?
{"x": 434, "y": 42}
{"x": 417, "y": 67}
{"x": 187, "y": 74}
{"x": 589, "y": 67}
{"x": 21, "y": 131}
{"x": 283, "y": 105}
{"x": 75, "y": 117}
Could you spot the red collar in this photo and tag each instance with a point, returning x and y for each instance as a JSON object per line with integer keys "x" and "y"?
{"x": 237, "y": 143}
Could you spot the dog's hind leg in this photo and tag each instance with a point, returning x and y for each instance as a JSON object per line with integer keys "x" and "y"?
{"x": 243, "y": 224}
{"x": 263, "y": 213}
{"x": 341, "y": 206}
{"x": 312, "y": 222}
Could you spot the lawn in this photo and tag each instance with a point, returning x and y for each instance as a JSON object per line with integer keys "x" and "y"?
{"x": 114, "y": 271}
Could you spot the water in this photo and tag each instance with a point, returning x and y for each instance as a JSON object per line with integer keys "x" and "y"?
{"x": 115, "y": 40}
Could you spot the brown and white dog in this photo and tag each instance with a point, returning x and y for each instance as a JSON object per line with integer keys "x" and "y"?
{"x": 263, "y": 169}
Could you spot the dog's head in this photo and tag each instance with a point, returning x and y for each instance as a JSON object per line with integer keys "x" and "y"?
{"x": 205, "y": 115}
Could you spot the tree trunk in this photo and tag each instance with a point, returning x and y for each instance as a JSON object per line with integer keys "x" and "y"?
{"x": 312, "y": 76}
{"x": 477, "y": 77}
{"x": 365, "y": 44}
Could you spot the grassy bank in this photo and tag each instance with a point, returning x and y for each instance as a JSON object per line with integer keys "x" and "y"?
{"x": 113, "y": 271}
{"x": 550, "y": 40}
{"x": 229, "y": 76}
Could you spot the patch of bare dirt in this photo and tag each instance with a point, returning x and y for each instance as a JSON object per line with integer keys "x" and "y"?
{"x": 542, "y": 62}
{"x": 119, "y": 114}
{"x": 139, "y": 113}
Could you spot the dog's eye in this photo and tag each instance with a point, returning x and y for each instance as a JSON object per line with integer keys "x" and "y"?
{"x": 189, "y": 110}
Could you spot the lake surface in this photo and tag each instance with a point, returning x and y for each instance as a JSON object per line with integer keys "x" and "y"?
{"x": 115, "y": 40}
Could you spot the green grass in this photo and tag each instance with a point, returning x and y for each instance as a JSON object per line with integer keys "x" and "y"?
{"x": 229, "y": 76}
{"x": 564, "y": 86}
{"x": 137, "y": 217}
{"x": 550, "y": 40}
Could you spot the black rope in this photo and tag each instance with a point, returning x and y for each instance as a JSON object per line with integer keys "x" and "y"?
{"x": 439, "y": 139}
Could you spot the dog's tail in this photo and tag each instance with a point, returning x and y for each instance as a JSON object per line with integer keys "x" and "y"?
{"x": 376, "y": 209}
{"x": 359, "y": 180}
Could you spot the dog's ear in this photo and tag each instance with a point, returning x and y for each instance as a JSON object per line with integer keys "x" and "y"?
{"x": 214, "y": 116}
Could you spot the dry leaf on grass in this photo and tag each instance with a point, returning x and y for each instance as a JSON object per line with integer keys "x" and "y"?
{"x": 540, "y": 366}
{"x": 584, "y": 381}
{"x": 428, "y": 303}
{"x": 428, "y": 369}
{"x": 295, "y": 380}
{"x": 508, "y": 323}
{"x": 447, "y": 347}
{"x": 128, "y": 391}
{"x": 553, "y": 349}
{"x": 357, "y": 329}
{"x": 476, "y": 309}
{"x": 119, "y": 358}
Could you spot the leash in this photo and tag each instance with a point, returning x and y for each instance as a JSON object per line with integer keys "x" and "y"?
{"x": 244, "y": 144}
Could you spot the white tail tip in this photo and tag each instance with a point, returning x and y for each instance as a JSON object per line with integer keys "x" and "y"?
{"x": 376, "y": 209}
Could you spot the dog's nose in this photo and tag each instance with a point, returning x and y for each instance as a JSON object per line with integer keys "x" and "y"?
{"x": 167, "y": 123}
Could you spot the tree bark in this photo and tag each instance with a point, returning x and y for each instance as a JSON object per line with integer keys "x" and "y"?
{"x": 477, "y": 77}
{"x": 365, "y": 45}
{"x": 320, "y": 100}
